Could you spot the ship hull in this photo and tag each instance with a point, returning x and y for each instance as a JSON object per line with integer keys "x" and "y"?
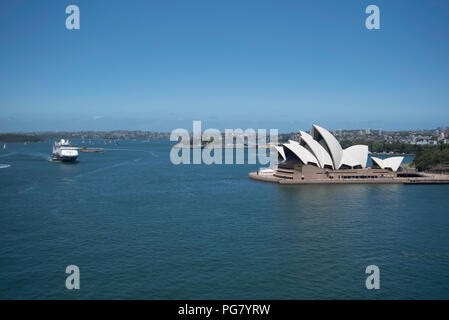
{"x": 63, "y": 159}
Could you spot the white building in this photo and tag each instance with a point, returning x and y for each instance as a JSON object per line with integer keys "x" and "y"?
{"x": 321, "y": 149}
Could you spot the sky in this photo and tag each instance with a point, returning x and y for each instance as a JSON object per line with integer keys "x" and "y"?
{"x": 159, "y": 65}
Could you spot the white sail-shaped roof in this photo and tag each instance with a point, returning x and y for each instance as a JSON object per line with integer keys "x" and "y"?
{"x": 281, "y": 151}
{"x": 302, "y": 153}
{"x": 392, "y": 163}
{"x": 355, "y": 156}
{"x": 349, "y": 161}
{"x": 323, "y": 150}
{"x": 317, "y": 149}
{"x": 335, "y": 150}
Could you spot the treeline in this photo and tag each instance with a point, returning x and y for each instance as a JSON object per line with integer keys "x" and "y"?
{"x": 382, "y": 146}
{"x": 376, "y": 146}
{"x": 15, "y": 137}
{"x": 284, "y": 137}
{"x": 434, "y": 159}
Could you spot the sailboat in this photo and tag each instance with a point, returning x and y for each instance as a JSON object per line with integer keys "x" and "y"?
{"x": 4, "y": 146}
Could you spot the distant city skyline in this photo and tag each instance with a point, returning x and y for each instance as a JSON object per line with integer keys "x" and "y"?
{"x": 157, "y": 66}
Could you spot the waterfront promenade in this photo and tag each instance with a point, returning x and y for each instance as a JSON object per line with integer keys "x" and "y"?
{"x": 426, "y": 178}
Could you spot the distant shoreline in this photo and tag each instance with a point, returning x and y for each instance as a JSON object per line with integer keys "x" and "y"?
{"x": 11, "y": 137}
{"x": 393, "y": 154}
{"x": 82, "y": 135}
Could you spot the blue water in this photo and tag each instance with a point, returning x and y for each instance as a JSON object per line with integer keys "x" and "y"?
{"x": 139, "y": 227}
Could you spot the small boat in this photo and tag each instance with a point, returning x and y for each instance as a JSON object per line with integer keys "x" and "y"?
{"x": 84, "y": 149}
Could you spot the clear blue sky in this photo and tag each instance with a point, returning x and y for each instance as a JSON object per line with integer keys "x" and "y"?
{"x": 158, "y": 65}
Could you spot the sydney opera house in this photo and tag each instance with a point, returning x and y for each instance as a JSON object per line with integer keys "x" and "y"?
{"x": 319, "y": 158}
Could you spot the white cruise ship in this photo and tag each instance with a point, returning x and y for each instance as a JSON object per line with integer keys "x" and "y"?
{"x": 64, "y": 151}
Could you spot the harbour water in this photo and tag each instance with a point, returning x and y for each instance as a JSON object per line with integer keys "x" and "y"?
{"x": 139, "y": 227}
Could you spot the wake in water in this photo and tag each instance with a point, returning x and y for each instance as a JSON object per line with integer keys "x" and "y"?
{"x": 7, "y": 155}
{"x": 40, "y": 155}
{"x": 37, "y": 155}
{"x": 4, "y": 166}
{"x": 89, "y": 173}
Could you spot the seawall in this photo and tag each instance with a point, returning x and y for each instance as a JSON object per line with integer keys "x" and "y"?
{"x": 426, "y": 179}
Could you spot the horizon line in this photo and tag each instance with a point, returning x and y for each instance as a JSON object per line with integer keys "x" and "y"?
{"x": 168, "y": 132}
